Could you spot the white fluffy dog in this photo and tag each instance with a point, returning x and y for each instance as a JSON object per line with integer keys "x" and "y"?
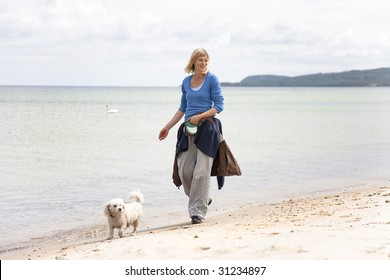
{"x": 122, "y": 215}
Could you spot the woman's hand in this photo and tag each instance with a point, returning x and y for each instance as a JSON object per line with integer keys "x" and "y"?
{"x": 195, "y": 119}
{"x": 175, "y": 119}
{"x": 163, "y": 133}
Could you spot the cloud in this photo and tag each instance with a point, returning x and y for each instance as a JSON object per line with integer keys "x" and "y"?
{"x": 151, "y": 39}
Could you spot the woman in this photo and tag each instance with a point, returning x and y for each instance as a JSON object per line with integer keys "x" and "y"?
{"x": 201, "y": 99}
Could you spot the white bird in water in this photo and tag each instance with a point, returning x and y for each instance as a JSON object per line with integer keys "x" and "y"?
{"x": 109, "y": 110}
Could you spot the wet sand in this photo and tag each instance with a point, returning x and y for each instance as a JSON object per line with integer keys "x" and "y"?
{"x": 348, "y": 225}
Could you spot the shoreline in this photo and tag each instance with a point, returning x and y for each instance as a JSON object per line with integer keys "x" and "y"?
{"x": 307, "y": 228}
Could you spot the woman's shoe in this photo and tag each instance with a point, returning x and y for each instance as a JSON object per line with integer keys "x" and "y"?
{"x": 196, "y": 220}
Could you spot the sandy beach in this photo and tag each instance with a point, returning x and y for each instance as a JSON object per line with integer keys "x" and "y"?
{"x": 348, "y": 225}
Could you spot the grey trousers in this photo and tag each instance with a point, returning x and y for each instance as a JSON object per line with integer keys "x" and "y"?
{"x": 194, "y": 172}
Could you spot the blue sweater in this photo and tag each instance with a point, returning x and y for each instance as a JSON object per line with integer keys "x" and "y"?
{"x": 199, "y": 101}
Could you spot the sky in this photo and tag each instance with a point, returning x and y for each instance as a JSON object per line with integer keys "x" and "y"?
{"x": 149, "y": 42}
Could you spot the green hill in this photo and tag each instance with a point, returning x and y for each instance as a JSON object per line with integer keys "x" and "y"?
{"x": 357, "y": 78}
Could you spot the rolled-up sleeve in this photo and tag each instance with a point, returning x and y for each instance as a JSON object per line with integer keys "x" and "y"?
{"x": 183, "y": 101}
{"x": 216, "y": 95}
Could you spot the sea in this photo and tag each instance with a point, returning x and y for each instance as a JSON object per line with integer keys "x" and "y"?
{"x": 63, "y": 157}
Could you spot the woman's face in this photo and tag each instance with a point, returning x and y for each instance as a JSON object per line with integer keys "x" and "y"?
{"x": 201, "y": 64}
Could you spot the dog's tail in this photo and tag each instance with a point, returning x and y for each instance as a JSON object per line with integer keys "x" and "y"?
{"x": 138, "y": 196}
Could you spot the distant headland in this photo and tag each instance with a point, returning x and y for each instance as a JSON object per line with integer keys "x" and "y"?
{"x": 356, "y": 78}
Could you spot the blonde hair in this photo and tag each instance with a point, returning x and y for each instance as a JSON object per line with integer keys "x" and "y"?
{"x": 199, "y": 52}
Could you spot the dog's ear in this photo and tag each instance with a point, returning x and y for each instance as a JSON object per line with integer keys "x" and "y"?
{"x": 107, "y": 209}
